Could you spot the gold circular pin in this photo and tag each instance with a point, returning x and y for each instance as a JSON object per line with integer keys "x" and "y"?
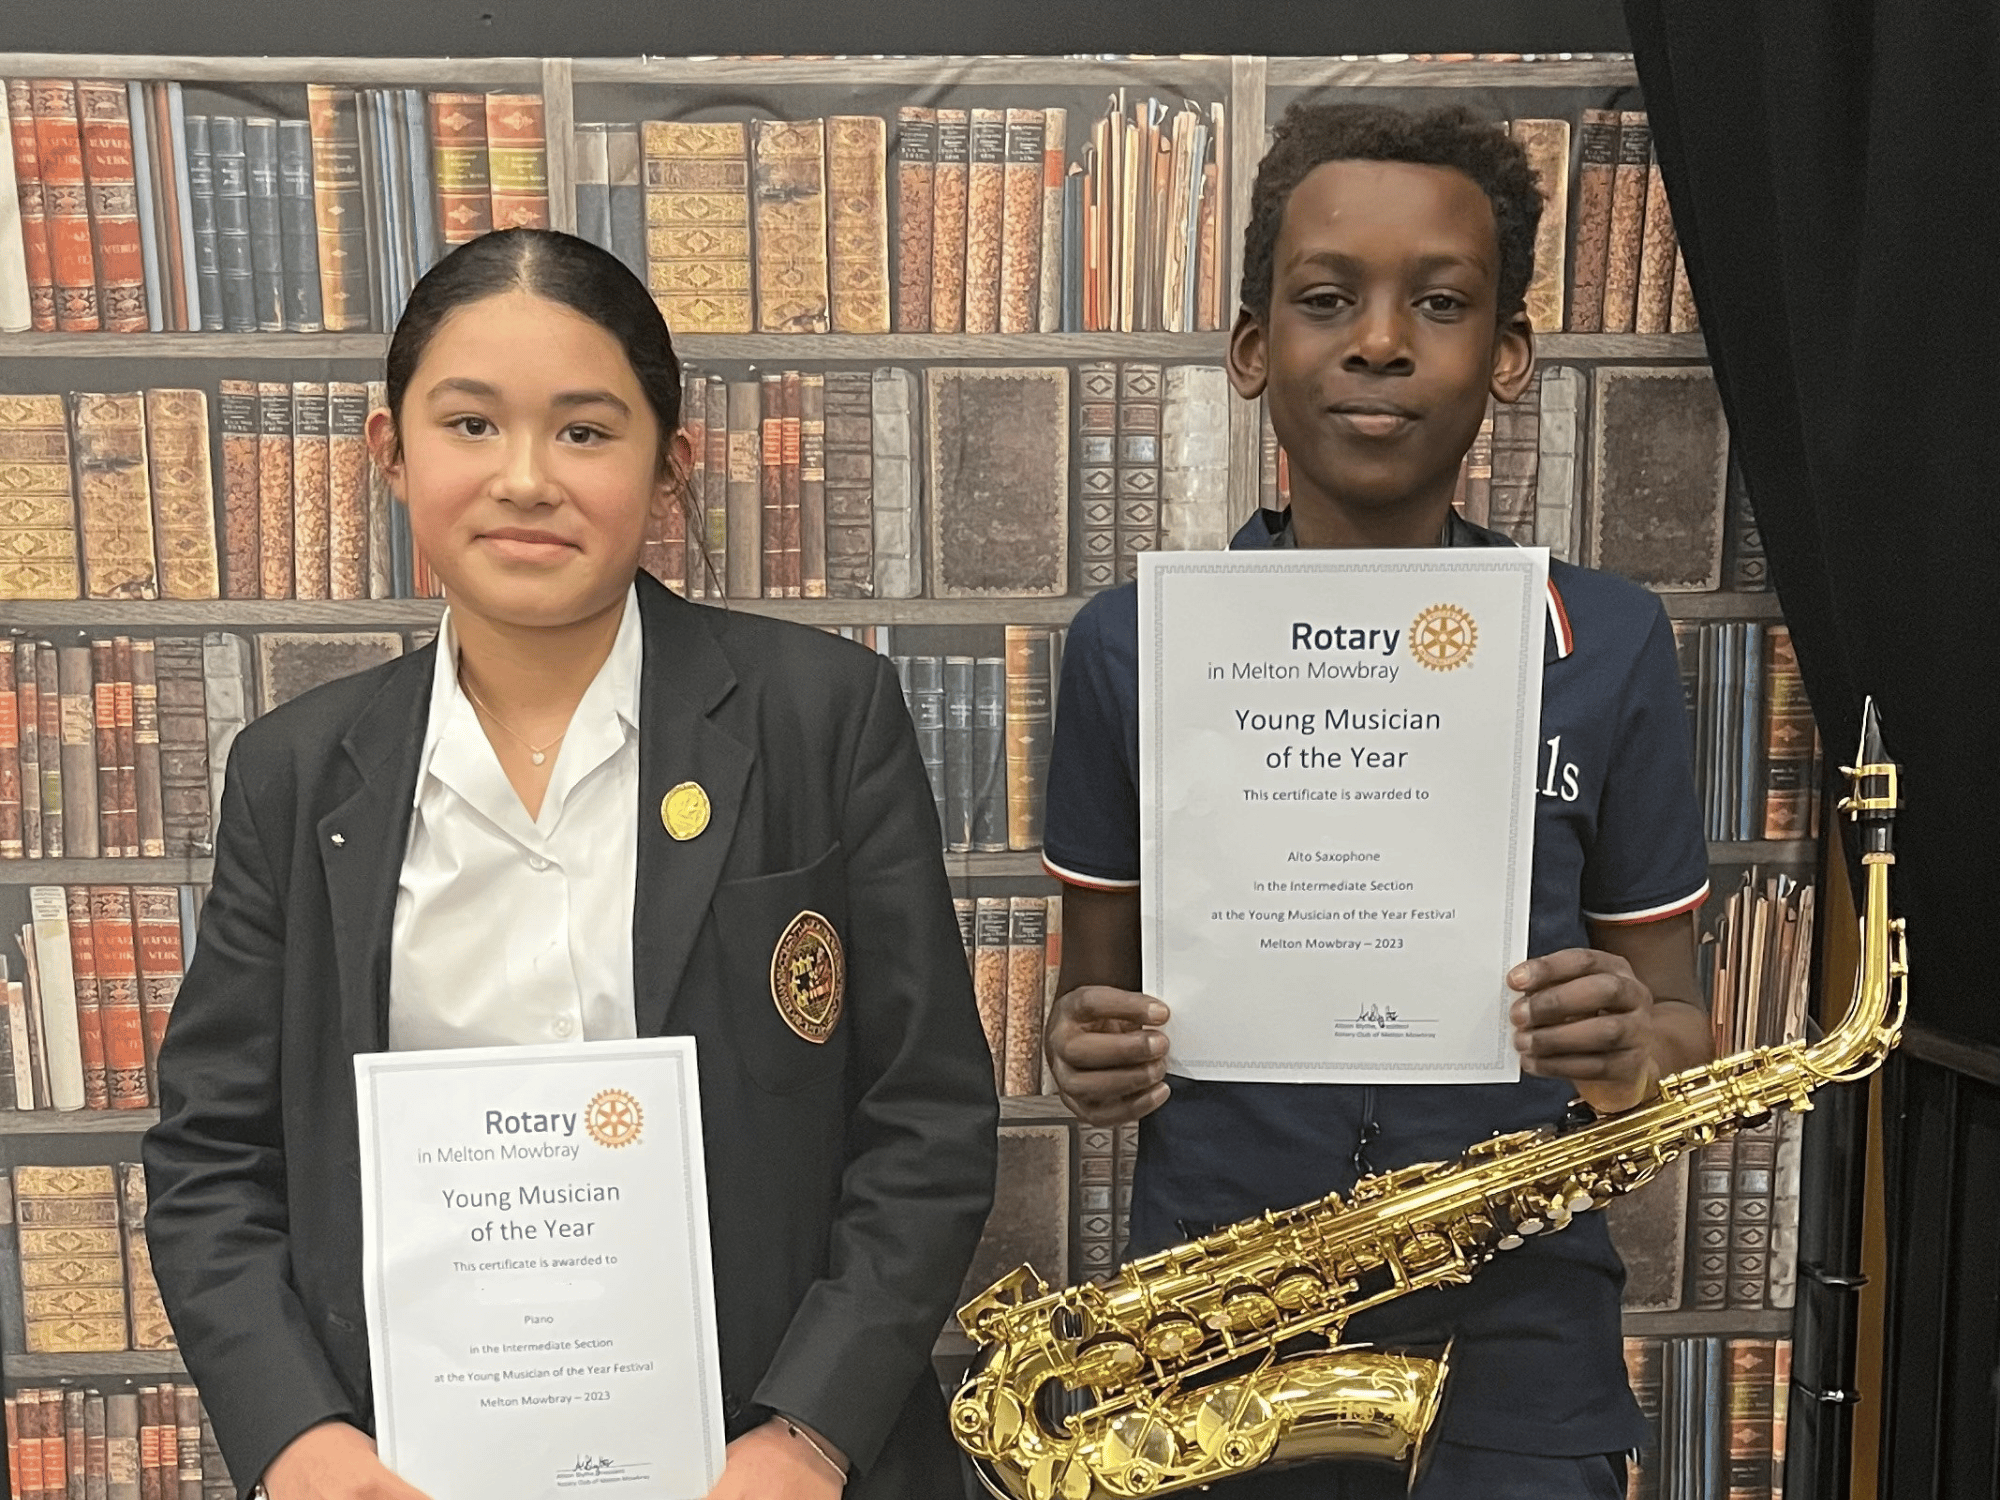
{"x": 684, "y": 810}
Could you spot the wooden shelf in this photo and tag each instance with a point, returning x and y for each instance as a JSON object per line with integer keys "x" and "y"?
{"x": 930, "y": 75}
{"x": 105, "y": 872}
{"x": 46, "y": 615}
{"x": 1723, "y": 1322}
{"x": 697, "y": 348}
{"x": 1035, "y": 1109}
{"x": 1375, "y": 72}
{"x": 1724, "y": 604}
{"x": 423, "y": 72}
{"x": 77, "y": 1122}
{"x": 989, "y": 866}
{"x": 26, "y": 1369}
{"x": 1649, "y": 347}
{"x": 1763, "y": 851}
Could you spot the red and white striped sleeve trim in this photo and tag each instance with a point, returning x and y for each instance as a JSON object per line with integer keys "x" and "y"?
{"x": 1088, "y": 882}
{"x": 1651, "y": 913}
{"x": 1559, "y": 623}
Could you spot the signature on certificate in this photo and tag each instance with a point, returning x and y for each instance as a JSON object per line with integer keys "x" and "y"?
{"x": 1376, "y": 1015}
{"x": 592, "y": 1469}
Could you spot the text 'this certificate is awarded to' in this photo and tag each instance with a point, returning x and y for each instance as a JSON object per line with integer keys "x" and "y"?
{"x": 1337, "y": 754}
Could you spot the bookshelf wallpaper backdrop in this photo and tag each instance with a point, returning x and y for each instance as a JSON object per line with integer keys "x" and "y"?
{"x": 953, "y": 331}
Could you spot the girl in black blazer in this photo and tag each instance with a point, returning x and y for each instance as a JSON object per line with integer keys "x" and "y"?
{"x": 532, "y": 430}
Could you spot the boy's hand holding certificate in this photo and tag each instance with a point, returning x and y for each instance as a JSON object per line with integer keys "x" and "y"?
{"x": 1338, "y": 753}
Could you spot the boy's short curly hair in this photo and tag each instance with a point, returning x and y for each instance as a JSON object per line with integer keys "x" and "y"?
{"x": 1310, "y": 135}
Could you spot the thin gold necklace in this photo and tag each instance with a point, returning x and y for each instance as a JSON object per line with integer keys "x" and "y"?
{"x": 536, "y": 753}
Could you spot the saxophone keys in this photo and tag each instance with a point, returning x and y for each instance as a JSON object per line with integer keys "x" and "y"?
{"x": 1298, "y": 1289}
{"x": 1510, "y": 1242}
{"x": 1108, "y": 1359}
{"x": 1140, "y": 1446}
{"x": 1172, "y": 1336}
{"x": 1245, "y": 1309}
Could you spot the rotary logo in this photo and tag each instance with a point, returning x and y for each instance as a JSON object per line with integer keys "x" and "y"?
{"x": 614, "y": 1118}
{"x": 1442, "y": 638}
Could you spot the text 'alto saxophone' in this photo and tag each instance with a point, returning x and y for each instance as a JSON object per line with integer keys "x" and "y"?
{"x": 1171, "y": 1374}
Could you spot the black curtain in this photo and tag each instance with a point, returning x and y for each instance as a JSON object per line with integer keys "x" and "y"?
{"x": 1834, "y": 177}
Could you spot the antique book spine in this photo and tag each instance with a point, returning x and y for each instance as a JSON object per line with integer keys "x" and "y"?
{"x": 338, "y": 211}
{"x": 896, "y": 485}
{"x": 89, "y": 997}
{"x": 187, "y": 1434}
{"x": 16, "y": 301}
{"x": 36, "y": 253}
{"x": 1027, "y": 918}
{"x": 1029, "y": 732}
{"x": 593, "y": 183}
{"x": 858, "y": 222}
{"x": 184, "y": 778}
{"x": 1656, "y": 257}
{"x": 745, "y": 492}
{"x": 714, "y": 499}
{"x": 96, "y": 1460}
{"x": 1750, "y": 1215}
{"x": 23, "y": 1071}
{"x": 27, "y": 698}
{"x": 235, "y": 255}
{"x": 381, "y": 508}
{"x": 200, "y": 155}
{"x": 1051, "y": 973}
{"x": 1139, "y": 384}
{"x": 850, "y": 521}
{"x": 72, "y": 1399}
{"x": 1748, "y": 1405}
{"x": 1708, "y": 1214}
{"x": 1788, "y": 740}
{"x": 49, "y": 741}
{"x": 167, "y": 105}
{"x": 347, "y": 465}
{"x": 310, "y": 490}
{"x": 1097, "y": 475}
{"x": 1594, "y": 182}
{"x": 12, "y": 843}
{"x": 989, "y": 978}
{"x": 113, "y": 505}
{"x": 290, "y": 663}
{"x": 692, "y": 520}
{"x": 298, "y": 233}
{"x": 24, "y": 1439}
{"x": 65, "y": 204}
{"x": 1021, "y": 214}
{"x": 812, "y": 487}
{"x": 960, "y": 778}
{"x": 1628, "y": 221}
{"x": 110, "y": 911}
{"x": 997, "y": 501}
{"x": 771, "y": 481}
{"x": 791, "y": 560}
{"x": 925, "y": 692}
{"x": 183, "y": 494}
{"x": 220, "y": 686}
{"x": 1557, "y": 470}
{"x": 121, "y": 1445}
{"x": 517, "y": 161}
{"x": 1475, "y": 496}
{"x": 1516, "y": 452}
{"x": 105, "y": 741}
{"x": 128, "y": 770}
{"x": 38, "y": 537}
{"x": 215, "y": 1481}
{"x": 1208, "y": 249}
{"x": 149, "y": 1443}
{"x": 104, "y": 118}
{"x": 1643, "y": 1372}
{"x": 697, "y": 186}
{"x": 1681, "y": 314}
{"x": 157, "y": 934}
{"x": 948, "y": 221}
{"x": 242, "y": 572}
{"x": 916, "y": 215}
{"x": 79, "y": 753}
{"x": 150, "y": 1328}
{"x": 1096, "y": 1169}
{"x": 1658, "y": 476}
{"x": 55, "y": 1447}
{"x": 989, "y": 754}
{"x": 267, "y": 240}
{"x": 464, "y": 204}
{"x": 788, "y": 199}
{"x": 1194, "y": 459}
{"x": 1745, "y": 565}
{"x": 71, "y": 1271}
{"x": 274, "y": 477}
{"x": 1546, "y": 143}
{"x": 1048, "y": 310}
{"x": 146, "y": 750}
{"x": 625, "y": 177}
{"x": 985, "y": 211}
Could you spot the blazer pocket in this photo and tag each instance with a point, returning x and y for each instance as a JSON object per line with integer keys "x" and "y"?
{"x": 777, "y": 1003}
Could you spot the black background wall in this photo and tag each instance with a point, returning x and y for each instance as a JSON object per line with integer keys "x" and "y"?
{"x": 623, "y": 28}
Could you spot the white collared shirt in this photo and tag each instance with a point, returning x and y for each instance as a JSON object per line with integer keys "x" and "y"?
{"x": 510, "y": 929}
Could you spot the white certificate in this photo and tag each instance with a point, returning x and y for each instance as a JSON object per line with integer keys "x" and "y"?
{"x": 1338, "y": 751}
{"x": 541, "y": 1310}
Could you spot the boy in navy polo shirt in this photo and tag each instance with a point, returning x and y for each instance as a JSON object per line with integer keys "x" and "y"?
{"x": 1385, "y": 271}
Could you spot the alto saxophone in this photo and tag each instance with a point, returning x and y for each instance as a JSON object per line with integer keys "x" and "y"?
{"x": 1186, "y": 1368}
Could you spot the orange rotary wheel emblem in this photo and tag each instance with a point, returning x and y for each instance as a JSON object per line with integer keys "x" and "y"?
{"x": 614, "y": 1118}
{"x": 1443, "y": 637}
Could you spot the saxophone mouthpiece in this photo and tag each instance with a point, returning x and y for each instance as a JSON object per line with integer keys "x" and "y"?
{"x": 1876, "y": 784}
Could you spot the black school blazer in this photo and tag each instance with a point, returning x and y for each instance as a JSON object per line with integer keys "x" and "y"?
{"x": 848, "y": 1181}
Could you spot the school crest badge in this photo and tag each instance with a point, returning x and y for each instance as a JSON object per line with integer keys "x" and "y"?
{"x": 809, "y": 976}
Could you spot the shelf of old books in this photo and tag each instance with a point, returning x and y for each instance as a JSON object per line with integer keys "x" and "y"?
{"x": 954, "y": 333}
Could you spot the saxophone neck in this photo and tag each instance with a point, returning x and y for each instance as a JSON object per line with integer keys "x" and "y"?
{"x": 1874, "y": 1018}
